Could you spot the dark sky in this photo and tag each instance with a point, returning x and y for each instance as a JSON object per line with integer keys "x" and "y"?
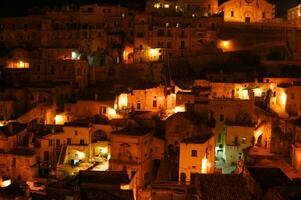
{"x": 19, "y": 7}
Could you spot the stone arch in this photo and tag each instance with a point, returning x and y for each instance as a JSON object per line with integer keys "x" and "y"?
{"x": 99, "y": 135}
{"x": 183, "y": 178}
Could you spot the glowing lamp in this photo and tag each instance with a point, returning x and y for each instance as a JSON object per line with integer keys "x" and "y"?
{"x": 225, "y": 44}
{"x": 112, "y": 113}
{"x": 204, "y": 165}
{"x": 245, "y": 94}
{"x": 5, "y": 183}
{"x": 59, "y": 119}
{"x": 157, "y": 5}
{"x": 153, "y": 52}
{"x": 104, "y": 150}
{"x": 179, "y": 109}
{"x": 258, "y": 92}
{"x": 166, "y": 5}
{"x": 283, "y": 98}
{"x": 123, "y": 101}
{"x": 80, "y": 155}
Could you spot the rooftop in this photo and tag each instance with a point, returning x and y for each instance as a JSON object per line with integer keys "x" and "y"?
{"x": 223, "y": 187}
{"x": 104, "y": 177}
{"x": 133, "y": 130}
{"x": 267, "y": 177}
{"x": 290, "y": 191}
{"x": 198, "y": 139}
{"x": 88, "y": 121}
{"x": 12, "y": 128}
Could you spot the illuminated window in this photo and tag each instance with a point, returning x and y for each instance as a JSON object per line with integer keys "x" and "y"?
{"x": 166, "y": 5}
{"x": 194, "y": 153}
{"x": 156, "y": 5}
{"x": 243, "y": 140}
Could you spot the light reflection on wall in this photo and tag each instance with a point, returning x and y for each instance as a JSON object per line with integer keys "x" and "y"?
{"x": 18, "y": 65}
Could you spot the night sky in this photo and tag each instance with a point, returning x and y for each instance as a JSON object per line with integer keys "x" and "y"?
{"x": 19, "y": 7}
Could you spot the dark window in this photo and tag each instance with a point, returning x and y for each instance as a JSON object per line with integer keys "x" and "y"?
{"x": 140, "y": 46}
{"x": 90, "y": 10}
{"x": 232, "y": 13}
{"x": 182, "y": 33}
{"x": 104, "y": 110}
{"x": 219, "y": 138}
{"x": 182, "y": 44}
{"x": 140, "y": 34}
{"x": 168, "y": 45}
{"x": 138, "y": 106}
{"x": 194, "y": 153}
{"x": 263, "y": 14}
{"x": 168, "y": 32}
{"x": 236, "y": 141}
{"x": 221, "y": 118}
{"x": 82, "y": 142}
{"x": 51, "y": 69}
{"x": 192, "y": 178}
{"x": 46, "y": 155}
{"x": 38, "y": 68}
{"x": 160, "y": 32}
{"x": 50, "y": 142}
{"x": 154, "y": 103}
{"x": 68, "y": 141}
{"x": 109, "y": 10}
{"x": 14, "y": 162}
{"x": 75, "y": 132}
{"x": 58, "y": 143}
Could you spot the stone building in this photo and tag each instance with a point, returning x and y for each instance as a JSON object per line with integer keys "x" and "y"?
{"x": 196, "y": 156}
{"x": 194, "y": 8}
{"x": 247, "y": 11}
{"x": 132, "y": 152}
{"x": 294, "y": 15}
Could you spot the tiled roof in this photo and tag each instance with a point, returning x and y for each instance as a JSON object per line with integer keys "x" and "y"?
{"x": 267, "y": 177}
{"x": 198, "y": 139}
{"x": 223, "y": 187}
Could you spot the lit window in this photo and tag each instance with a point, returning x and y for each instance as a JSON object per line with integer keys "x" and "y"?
{"x": 166, "y": 5}
{"x": 157, "y": 5}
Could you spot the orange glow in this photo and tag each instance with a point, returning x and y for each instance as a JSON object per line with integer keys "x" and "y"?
{"x": 126, "y": 54}
{"x": 5, "y": 183}
{"x": 122, "y": 101}
{"x": 283, "y": 98}
{"x": 225, "y": 45}
{"x": 59, "y": 119}
{"x": 154, "y": 53}
{"x": 18, "y": 65}
{"x": 257, "y": 134}
{"x": 205, "y": 165}
{"x": 112, "y": 114}
{"x": 179, "y": 109}
{"x": 245, "y": 94}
